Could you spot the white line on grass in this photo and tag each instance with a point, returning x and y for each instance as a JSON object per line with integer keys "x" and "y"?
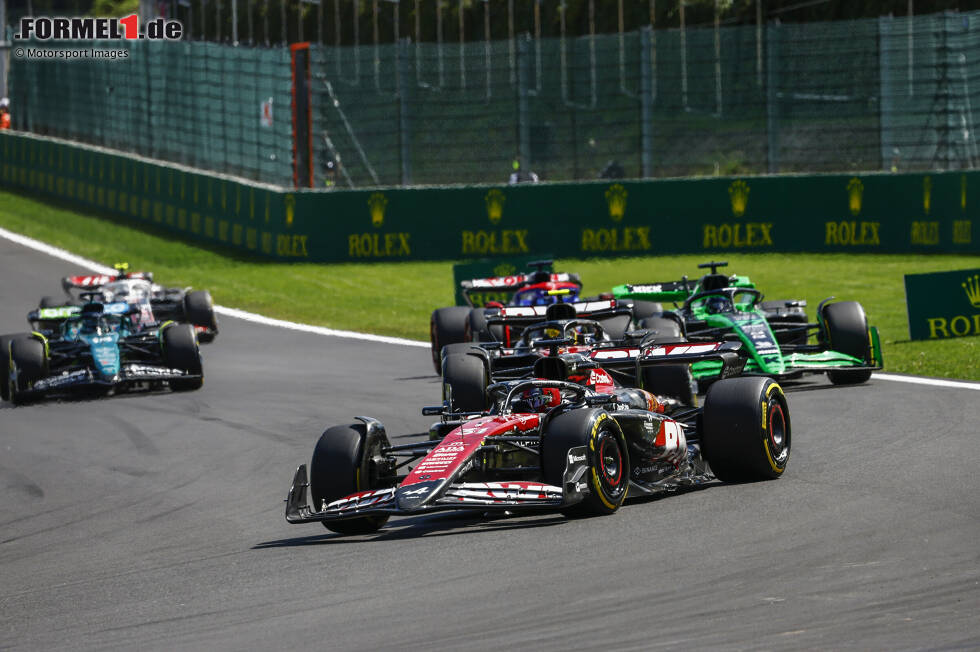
{"x": 93, "y": 266}
{"x": 37, "y": 245}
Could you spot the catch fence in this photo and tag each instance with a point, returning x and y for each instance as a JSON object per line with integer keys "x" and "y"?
{"x": 892, "y": 94}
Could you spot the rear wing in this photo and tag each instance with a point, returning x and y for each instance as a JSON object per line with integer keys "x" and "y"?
{"x": 60, "y": 313}
{"x": 669, "y": 291}
{"x": 634, "y": 358}
{"x": 478, "y": 291}
{"x": 95, "y": 281}
{"x": 517, "y": 318}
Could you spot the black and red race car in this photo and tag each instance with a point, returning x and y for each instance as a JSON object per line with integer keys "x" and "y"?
{"x": 530, "y": 294}
{"x": 151, "y": 304}
{"x": 470, "y": 366}
{"x": 548, "y": 443}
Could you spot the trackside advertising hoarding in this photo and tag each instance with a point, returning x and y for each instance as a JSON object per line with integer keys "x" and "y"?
{"x": 943, "y": 305}
{"x": 881, "y": 213}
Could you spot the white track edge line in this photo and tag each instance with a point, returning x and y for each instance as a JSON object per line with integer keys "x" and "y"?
{"x": 935, "y": 382}
{"x": 43, "y": 247}
{"x": 67, "y": 256}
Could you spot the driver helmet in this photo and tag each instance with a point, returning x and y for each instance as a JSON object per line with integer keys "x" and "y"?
{"x": 539, "y": 399}
{"x": 715, "y": 305}
{"x": 92, "y": 324}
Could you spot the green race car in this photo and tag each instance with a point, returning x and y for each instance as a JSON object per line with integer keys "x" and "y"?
{"x": 775, "y": 334}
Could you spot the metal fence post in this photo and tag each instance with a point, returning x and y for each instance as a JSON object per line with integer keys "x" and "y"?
{"x": 646, "y": 101}
{"x": 4, "y": 49}
{"x": 404, "y": 89}
{"x": 772, "y": 96}
{"x": 523, "y": 113}
{"x": 885, "y": 93}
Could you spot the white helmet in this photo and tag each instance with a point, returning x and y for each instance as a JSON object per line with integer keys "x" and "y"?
{"x": 4, "y": 102}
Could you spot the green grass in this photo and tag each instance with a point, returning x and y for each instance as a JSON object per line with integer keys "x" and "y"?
{"x": 397, "y": 298}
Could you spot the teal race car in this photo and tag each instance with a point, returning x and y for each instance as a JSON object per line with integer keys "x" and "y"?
{"x": 776, "y": 335}
{"x": 97, "y": 351}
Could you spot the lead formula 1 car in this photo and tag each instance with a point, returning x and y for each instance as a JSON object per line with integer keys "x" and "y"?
{"x": 98, "y": 351}
{"x": 545, "y": 444}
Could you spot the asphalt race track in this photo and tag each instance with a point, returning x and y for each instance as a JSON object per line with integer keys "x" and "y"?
{"x": 156, "y": 522}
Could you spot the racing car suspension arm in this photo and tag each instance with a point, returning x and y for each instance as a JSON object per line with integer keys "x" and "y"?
{"x": 508, "y": 442}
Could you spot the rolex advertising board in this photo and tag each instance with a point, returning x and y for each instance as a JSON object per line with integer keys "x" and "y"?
{"x": 873, "y": 212}
{"x": 943, "y": 305}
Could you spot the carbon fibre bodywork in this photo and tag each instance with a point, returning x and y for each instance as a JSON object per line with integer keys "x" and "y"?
{"x": 498, "y": 459}
{"x": 775, "y": 335}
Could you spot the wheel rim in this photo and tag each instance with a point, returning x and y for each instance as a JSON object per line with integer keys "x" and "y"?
{"x": 778, "y": 432}
{"x": 609, "y": 464}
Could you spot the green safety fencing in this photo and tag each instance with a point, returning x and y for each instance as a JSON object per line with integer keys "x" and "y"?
{"x": 886, "y": 213}
{"x": 194, "y": 103}
{"x": 888, "y": 94}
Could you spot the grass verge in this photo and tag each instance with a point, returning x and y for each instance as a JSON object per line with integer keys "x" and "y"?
{"x": 397, "y": 298}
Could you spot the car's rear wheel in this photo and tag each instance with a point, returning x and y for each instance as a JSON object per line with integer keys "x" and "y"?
{"x": 847, "y": 331}
{"x": 608, "y": 475}
{"x": 446, "y": 326}
{"x": 746, "y": 433}
{"x": 344, "y": 462}
{"x": 180, "y": 351}
{"x": 199, "y": 311}
{"x": 467, "y": 375}
{"x": 29, "y": 364}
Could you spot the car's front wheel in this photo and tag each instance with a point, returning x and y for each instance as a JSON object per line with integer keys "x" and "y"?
{"x": 847, "y": 331}
{"x": 28, "y": 364}
{"x": 746, "y": 433}
{"x": 608, "y": 475}
{"x": 446, "y": 326}
{"x": 180, "y": 351}
{"x": 344, "y": 462}
{"x": 465, "y": 376}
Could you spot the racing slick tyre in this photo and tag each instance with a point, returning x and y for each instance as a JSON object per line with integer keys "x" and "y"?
{"x": 344, "y": 462}
{"x": 199, "y": 310}
{"x": 5, "y": 341}
{"x": 467, "y": 375}
{"x": 477, "y": 329}
{"x": 847, "y": 332}
{"x": 460, "y": 348}
{"x": 746, "y": 432}
{"x": 646, "y": 309}
{"x": 447, "y": 326}
{"x": 784, "y": 311}
{"x": 665, "y": 330}
{"x": 50, "y": 302}
{"x": 29, "y": 363}
{"x": 672, "y": 380}
{"x": 180, "y": 351}
{"x": 608, "y": 475}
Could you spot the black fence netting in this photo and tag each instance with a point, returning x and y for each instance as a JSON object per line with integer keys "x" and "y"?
{"x": 895, "y": 94}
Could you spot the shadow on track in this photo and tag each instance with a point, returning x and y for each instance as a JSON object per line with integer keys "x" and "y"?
{"x": 428, "y": 525}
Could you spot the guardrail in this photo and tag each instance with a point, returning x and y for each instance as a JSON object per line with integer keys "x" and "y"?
{"x": 885, "y": 213}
